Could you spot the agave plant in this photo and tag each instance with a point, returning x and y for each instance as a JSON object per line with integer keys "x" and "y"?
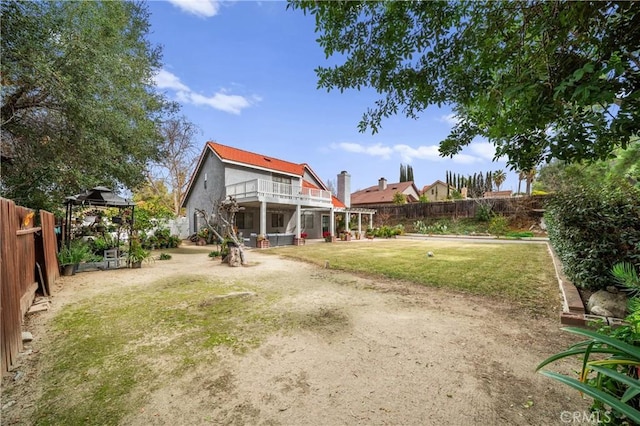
{"x": 611, "y": 380}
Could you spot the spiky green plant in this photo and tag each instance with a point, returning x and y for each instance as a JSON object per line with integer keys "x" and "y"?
{"x": 615, "y": 383}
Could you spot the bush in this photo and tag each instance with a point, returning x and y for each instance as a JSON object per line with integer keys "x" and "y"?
{"x": 165, "y": 256}
{"x": 591, "y": 229}
{"x": 498, "y": 226}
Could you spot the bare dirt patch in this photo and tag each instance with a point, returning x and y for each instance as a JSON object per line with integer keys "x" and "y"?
{"x": 355, "y": 350}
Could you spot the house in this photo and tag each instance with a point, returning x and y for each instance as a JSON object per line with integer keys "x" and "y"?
{"x": 498, "y": 194}
{"x": 280, "y": 199}
{"x": 437, "y": 191}
{"x": 383, "y": 193}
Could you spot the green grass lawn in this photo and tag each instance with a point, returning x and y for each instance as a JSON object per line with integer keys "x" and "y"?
{"x": 520, "y": 273}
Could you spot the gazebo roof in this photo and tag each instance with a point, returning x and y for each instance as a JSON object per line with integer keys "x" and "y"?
{"x": 99, "y": 196}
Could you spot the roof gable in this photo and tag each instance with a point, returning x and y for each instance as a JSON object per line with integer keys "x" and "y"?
{"x": 239, "y": 156}
{"x": 373, "y": 194}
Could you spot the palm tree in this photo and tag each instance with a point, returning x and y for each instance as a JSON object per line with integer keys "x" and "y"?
{"x": 499, "y": 176}
{"x": 529, "y": 176}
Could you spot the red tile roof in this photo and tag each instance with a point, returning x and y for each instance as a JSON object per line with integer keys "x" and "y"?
{"x": 337, "y": 203}
{"x": 257, "y": 160}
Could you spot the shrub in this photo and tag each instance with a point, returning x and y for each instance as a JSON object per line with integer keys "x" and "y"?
{"x": 484, "y": 213}
{"x": 498, "y": 226}
{"x": 591, "y": 229}
{"x": 214, "y": 254}
{"x": 164, "y": 256}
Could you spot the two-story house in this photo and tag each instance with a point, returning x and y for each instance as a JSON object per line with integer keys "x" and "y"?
{"x": 281, "y": 199}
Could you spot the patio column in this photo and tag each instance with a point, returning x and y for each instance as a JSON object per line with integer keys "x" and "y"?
{"x": 263, "y": 218}
{"x": 370, "y": 220}
{"x": 359, "y": 223}
{"x": 332, "y": 222}
{"x": 298, "y": 221}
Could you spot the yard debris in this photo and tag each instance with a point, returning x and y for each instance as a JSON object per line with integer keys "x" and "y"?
{"x": 26, "y": 336}
{"x": 38, "y": 308}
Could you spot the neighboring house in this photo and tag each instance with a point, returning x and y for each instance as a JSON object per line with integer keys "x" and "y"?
{"x": 383, "y": 193}
{"x": 498, "y": 194}
{"x": 437, "y": 191}
{"x": 279, "y": 197}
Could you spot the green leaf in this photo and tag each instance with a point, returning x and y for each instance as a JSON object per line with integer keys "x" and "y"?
{"x": 614, "y": 403}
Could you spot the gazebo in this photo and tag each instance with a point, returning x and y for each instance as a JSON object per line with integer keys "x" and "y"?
{"x": 99, "y": 196}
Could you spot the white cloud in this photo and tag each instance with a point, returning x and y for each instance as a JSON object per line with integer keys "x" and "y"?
{"x": 377, "y": 150}
{"x": 480, "y": 152}
{"x": 221, "y": 100}
{"x": 202, "y": 8}
{"x": 166, "y": 80}
{"x": 452, "y": 119}
{"x": 408, "y": 153}
{"x": 485, "y": 150}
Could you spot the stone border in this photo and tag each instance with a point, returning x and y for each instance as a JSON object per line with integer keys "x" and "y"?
{"x": 573, "y": 311}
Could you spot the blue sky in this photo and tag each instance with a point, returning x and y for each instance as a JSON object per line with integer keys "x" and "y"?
{"x": 243, "y": 72}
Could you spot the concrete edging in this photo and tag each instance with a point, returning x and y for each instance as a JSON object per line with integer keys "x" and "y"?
{"x": 573, "y": 310}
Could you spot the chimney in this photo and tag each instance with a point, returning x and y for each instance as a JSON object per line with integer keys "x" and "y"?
{"x": 344, "y": 188}
{"x": 382, "y": 184}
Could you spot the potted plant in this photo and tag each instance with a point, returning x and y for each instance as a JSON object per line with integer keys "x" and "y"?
{"x": 262, "y": 241}
{"x": 300, "y": 241}
{"x": 327, "y": 236}
{"x": 137, "y": 254}
{"x": 72, "y": 255}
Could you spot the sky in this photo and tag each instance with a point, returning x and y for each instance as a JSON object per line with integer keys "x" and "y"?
{"x": 243, "y": 73}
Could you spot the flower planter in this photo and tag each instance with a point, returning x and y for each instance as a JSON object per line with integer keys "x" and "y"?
{"x": 262, "y": 244}
{"x": 68, "y": 270}
{"x": 298, "y": 241}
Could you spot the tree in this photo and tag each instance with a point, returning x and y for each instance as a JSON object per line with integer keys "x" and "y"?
{"x": 78, "y": 105}
{"x": 539, "y": 79}
{"x": 331, "y": 186}
{"x": 403, "y": 173}
{"x": 399, "y": 198}
{"x": 176, "y": 160}
{"x": 499, "y": 176}
{"x": 409, "y": 173}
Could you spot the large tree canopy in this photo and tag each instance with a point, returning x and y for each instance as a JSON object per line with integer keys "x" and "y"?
{"x": 540, "y": 79}
{"x": 78, "y": 104}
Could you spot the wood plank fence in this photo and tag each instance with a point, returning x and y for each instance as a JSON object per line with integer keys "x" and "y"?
{"x": 28, "y": 262}
{"x": 514, "y": 206}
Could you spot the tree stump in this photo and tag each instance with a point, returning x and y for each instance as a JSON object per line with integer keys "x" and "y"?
{"x": 234, "y": 256}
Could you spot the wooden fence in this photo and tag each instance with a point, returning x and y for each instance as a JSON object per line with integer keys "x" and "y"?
{"x": 514, "y": 206}
{"x": 28, "y": 262}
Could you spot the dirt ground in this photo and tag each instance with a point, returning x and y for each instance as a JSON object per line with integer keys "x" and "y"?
{"x": 403, "y": 355}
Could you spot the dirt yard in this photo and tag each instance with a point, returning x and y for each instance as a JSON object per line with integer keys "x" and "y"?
{"x": 401, "y": 354}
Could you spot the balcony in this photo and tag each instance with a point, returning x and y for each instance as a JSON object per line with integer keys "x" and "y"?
{"x": 275, "y": 192}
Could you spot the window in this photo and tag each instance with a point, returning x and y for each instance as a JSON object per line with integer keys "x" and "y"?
{"x": 244, "y": 220}
{"x": 205, "y": 181}
{"x": 281, "y": 179}
{"x": 277, "y": 220}
{"x": 307, "y": 221}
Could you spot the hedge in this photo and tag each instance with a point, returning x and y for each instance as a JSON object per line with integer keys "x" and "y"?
{"x": 591, "y": 229}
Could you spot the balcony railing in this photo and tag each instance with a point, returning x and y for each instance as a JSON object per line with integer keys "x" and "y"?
{"x": 259, "y": 188}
